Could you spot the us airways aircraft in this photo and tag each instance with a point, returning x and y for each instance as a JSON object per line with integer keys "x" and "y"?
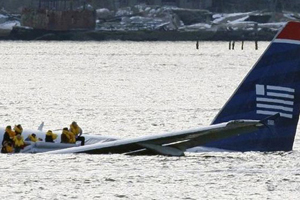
{"x": 261, "y": 115}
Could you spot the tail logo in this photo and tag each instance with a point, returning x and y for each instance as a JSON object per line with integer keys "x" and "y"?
{"x": 271, "y": 100}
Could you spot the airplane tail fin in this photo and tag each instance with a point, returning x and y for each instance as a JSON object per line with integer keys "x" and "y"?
{"x": 271, "y": 87}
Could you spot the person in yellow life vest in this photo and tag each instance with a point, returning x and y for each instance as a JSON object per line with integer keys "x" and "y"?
{"x": 19, "y": 143}
{"x": 8, "y": 135}
{"x": 77, "y": 132}
{"x": 64, "y": 137}
{"x": 50, "y": 136}
{"x": 18, "y": 129}
{"x": 32, "y": 137}
{"x": 7, "y": 147}
{"x": 67, "y": 136}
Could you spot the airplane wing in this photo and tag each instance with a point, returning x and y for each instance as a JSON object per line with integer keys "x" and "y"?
{"x": 171, "y": 144}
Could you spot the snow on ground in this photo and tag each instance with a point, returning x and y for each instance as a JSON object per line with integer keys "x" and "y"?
{"x": 8, "y": 25}
{"x": 143, "y": 17}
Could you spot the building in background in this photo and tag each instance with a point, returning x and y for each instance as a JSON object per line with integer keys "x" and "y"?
{"x": 59, "y": 15}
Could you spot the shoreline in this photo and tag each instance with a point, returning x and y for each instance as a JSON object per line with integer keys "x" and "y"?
{"x": 19, "y": 33}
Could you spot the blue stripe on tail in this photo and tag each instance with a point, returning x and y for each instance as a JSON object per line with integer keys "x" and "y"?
{"x": 272, "y": 86}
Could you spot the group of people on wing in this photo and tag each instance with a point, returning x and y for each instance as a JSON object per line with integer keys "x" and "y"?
{"x": 72, "y": 135}
{"x": 13, "y": 140}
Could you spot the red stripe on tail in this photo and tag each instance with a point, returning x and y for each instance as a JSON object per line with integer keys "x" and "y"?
{"x": 291, "y": 31}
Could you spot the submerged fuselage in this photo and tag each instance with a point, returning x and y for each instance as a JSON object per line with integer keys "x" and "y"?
{"x": 42, "y": 146}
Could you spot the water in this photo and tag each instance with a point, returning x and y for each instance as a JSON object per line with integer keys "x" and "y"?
{"x": 129, "y": 89}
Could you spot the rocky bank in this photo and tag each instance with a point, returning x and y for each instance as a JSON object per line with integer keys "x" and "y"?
{"x": 154, "y": 23}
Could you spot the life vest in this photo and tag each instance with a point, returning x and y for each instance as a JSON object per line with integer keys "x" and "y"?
{"x": 32, "y": 139}
{"x": 9, "y": 149}
{"x": 19, "y": 142}
{"x": 75, "y": 129}
{"x": 72, "y": 137}
{"x": 69, "y": 137}
{"x": 50, "y": 136}
{"x": 18, "y": 130}
{"x": 10, "y": 132}
{"x": 64, "y": 138}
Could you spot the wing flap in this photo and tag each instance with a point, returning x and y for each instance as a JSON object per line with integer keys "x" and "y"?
{"x": 214, "y": 136}
{"x": 202, "y": 137}
{"x": 162, "y": 150}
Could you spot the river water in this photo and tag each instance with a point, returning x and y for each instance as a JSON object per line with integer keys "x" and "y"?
{"x": 129, "y": 89}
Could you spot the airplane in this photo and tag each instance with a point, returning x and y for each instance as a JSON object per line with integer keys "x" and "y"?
{"x": 171, "y": 144}
{"x": 261, "y": 115}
